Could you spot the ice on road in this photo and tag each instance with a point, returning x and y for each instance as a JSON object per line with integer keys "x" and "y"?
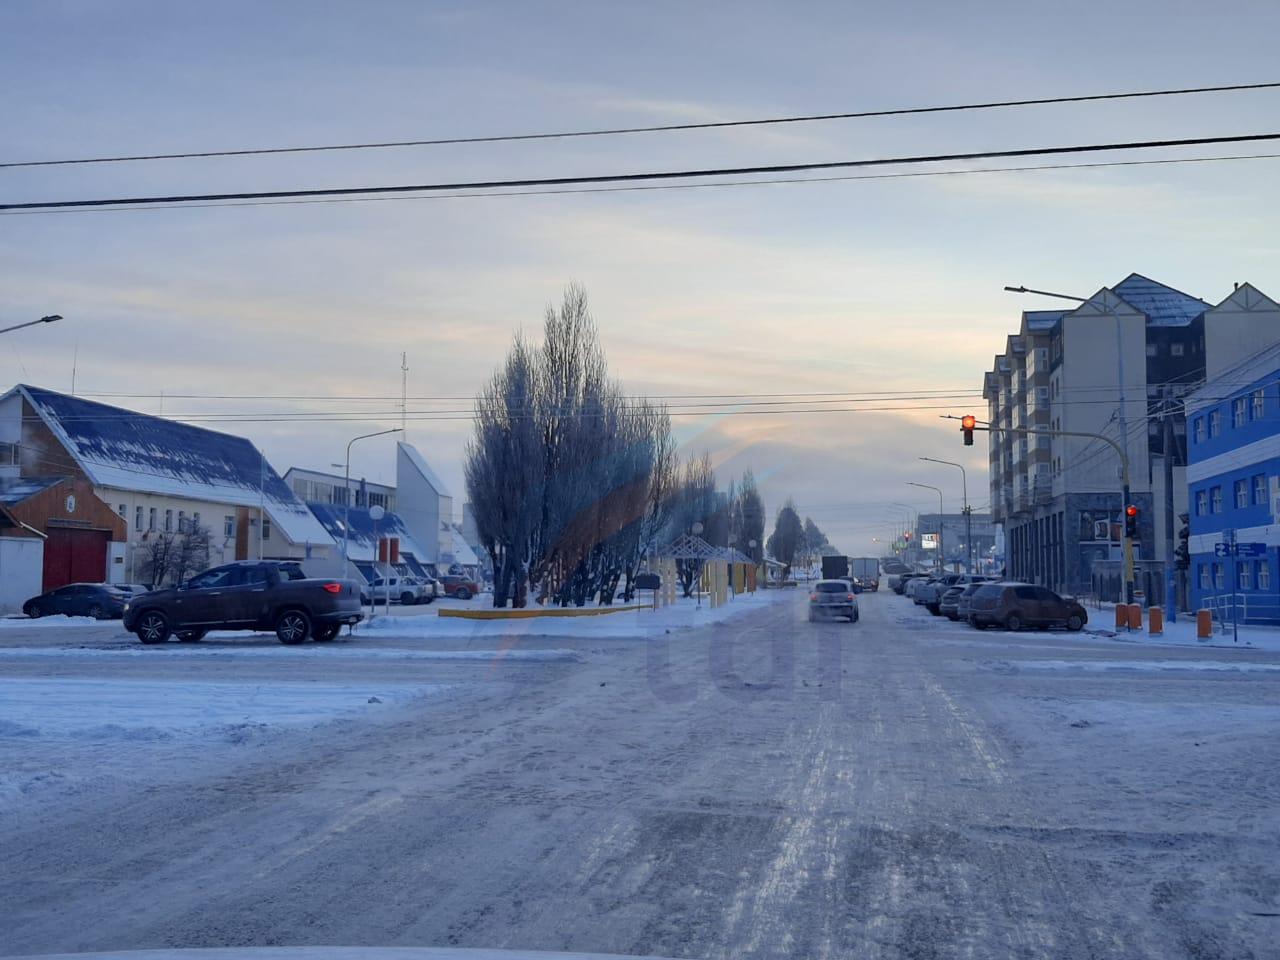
{"x": 759, "y": 787}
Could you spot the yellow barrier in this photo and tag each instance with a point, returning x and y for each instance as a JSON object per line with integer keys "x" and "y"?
{"x": 530, "y": 613}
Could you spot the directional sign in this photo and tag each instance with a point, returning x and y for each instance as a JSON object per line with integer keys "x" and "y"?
{"x": 1251, "y": 549}
{"x": 1222, "y": 549}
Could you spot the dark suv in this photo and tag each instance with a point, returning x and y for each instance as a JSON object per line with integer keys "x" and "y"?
{"x": 248, "y": 595}
{"x": 1018, "y": 605}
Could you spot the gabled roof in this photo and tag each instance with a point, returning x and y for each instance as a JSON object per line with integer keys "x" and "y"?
{"x": 459, "y": 550}
{"x": 1041, "y": 321}
{"x": 421, "y": 465}
{"x": 1163, "y": 306}
{"x": 128, "y": 450}
{"x": 363, "y": 541}
{"x": 13, "y": 490}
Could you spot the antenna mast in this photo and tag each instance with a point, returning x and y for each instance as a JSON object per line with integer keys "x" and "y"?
{"x": 404, "y": 393}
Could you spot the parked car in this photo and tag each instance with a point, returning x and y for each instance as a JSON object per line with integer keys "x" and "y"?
{"x": 98, "y": 600}
{"x": 1018, "y": 605}
{"x": 132, "y": 589}
{"x": 966, "y": 595}
{"x": 950, "y": 600}
{"x": 247, "y": 595}
{"x": 833, "y": 598}
{"x": 405, "y": 590}
{"x": 458, "y": 586}
{"x": 915, "y": 583}
{"x": 931, "y": 591}
{"x": 898, "y": 582}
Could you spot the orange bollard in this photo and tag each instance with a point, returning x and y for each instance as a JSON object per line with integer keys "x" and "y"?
{"x": 1156, "y": 624}
{"x": 1204, "y": 624}
{"x": 1122, "y": 616}
{"x": 1135, "y": 616}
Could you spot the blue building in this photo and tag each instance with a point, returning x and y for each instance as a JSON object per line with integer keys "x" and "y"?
{"x": 1233, "y": 477}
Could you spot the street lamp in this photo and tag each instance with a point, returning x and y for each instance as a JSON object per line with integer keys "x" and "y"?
{"x": 912, "y": 483}
{"x": 968, "y": 520}
{"x": 1121, "y": 421}
{"x": 346, "y": 495}
{"x": 31, "y": 323}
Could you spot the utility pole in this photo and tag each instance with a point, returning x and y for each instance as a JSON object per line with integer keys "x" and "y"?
{"x": 964, "y": 490}
{"x": 1171, "y": 588}
{"x": 939, "y": 558}
{"x": 404, "y": 392}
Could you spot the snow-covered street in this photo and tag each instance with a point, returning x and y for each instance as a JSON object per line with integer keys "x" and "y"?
{"x": 754, "y": 786}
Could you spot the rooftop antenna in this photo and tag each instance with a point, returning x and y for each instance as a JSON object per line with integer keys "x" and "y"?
{"x": 75, "y": 357}
{"x": 404, "y": 393}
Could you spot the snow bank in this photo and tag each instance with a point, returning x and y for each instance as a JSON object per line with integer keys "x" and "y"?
{"x": 159, "y": 710}
{"x": 1183, "y": 632}
{"x": 685, "y": 614}
{"x": 1096, "y": 666}
{"x": 274, "y": 650}
{"x": 55, "y": 622}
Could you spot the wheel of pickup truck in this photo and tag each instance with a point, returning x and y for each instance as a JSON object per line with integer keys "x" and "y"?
{"x": 462, "y": 593}
{"x": 292, "y": 627}
{"x": 324, "y": 632}
{"x": 153, "y": 627}
{"x": 406, "y": 599}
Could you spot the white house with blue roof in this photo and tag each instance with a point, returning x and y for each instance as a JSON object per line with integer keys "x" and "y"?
{"x": 161, "y": 476}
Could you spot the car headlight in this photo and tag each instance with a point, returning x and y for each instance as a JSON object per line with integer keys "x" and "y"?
{"x": 126, "y": 606}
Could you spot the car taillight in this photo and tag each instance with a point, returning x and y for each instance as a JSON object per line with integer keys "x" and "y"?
{"x": 812, "y": 597}
{"x": 850, "y": 597}
{"x": 333, "y": 588}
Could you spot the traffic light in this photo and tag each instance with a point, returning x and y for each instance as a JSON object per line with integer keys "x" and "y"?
{"x": 1131, "y": 522}
{"x": 967, "y": 423}
{"x": 1182, "y": 553}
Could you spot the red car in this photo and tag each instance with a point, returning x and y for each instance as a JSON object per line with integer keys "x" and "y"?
{"x": 456, "y": 585}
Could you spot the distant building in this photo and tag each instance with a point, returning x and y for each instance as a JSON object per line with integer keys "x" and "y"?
{"x": 315, "y": 486}
{"x": 1234, "y": 482}
{"x": 425, "y": 504}
{"x": 951, "y": 526}
{"x": 355, "y": 530}
{"x": 163, "y": 478}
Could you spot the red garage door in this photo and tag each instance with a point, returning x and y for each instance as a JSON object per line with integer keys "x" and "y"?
{"x": 74, "y": 556}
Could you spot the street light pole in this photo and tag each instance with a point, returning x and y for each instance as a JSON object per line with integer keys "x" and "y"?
{"x": 912, "y": 483}
{"x": 31, "y": 323}
{"x": 968, "y": 517}
{"x": 346, "y": 494}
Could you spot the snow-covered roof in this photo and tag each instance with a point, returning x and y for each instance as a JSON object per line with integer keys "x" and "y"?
{"x": 459, "y": 550}
{"x": 128, "y": 450}
{"x": 363, "y": 542}
{"x": 13, "y": 490}
{"x": 421, "y": 465}
{"x": 1163, "y": 306}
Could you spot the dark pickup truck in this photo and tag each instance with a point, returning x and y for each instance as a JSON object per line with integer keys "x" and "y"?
{"x": 247, "y": 595}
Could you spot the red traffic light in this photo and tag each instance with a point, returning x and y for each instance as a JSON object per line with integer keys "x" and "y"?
{"x": 1131, "y": 510}
{"x": 968, "y": 422}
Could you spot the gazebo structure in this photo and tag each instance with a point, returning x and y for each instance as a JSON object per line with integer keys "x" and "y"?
{"x": 723, "y": 568}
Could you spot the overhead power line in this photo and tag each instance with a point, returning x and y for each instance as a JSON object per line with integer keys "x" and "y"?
{"x": 638, "y": 177}
{"x": 659, "y": 128}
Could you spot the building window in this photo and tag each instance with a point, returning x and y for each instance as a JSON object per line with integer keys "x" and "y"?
{"x": 137, "y": 520}
{"x": 1242, "y": 494}
{"x": 1202, "y": 503}
{"x": 1217, "y": 576}
{"x": 1244, "y": 575}
{"x": 1215, "y": 495}
{"x": 195, "y": 519}
{"x": 1215, "y": 423}
{"x": 151, "y": 520}
{"x": 168, "y": 521}
{"x": 1153, "y": 349}
{"x": 182, "y": 522}
{"x": 1199, "y": 429}
{"x": 266, "y": 528}
{"x": 228, "y": 526}
{"x": 1205, "y": 580}
{"x": 1238, "y": 412}
{"x": 1259, "y": 404}
{"x": 1259, "y": 489}
{"x": 123, "y": 511}
{"x": 1264, "y": 575}
{"x": 1177, "y": 349}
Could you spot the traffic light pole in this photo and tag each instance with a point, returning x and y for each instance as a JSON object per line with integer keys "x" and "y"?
{"x": 1124, "y": 475}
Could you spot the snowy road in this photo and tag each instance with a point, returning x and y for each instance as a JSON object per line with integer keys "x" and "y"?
{"x": 765, "y": 787}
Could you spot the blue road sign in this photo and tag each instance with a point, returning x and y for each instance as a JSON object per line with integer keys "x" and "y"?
{"x": 1222, "y": 549}
{"x": 1251, "y": 549}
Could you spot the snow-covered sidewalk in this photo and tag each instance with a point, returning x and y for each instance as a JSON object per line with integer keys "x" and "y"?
{"x": 1182, "y": 633}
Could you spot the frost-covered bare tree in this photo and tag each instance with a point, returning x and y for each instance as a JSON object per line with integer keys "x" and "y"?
{"x": 562, "y": 467}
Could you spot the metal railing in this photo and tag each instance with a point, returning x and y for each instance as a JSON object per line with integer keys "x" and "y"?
{"x": 1248, "y": 608}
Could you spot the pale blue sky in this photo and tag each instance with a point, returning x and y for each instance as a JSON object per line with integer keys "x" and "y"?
{"x": 874, "y": 285}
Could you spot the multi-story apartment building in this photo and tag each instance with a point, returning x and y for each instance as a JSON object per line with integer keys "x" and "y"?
{"x": 1103, "y": 367}
{"x": 1234, "y": 471}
